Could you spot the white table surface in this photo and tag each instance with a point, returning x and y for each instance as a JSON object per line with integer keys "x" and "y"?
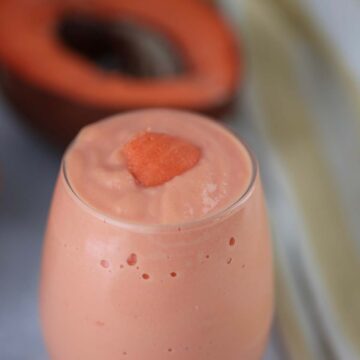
{"x": 28, "y": 169}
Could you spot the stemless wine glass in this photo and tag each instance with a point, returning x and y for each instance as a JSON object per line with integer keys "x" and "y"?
{"x": 201, "y": 290}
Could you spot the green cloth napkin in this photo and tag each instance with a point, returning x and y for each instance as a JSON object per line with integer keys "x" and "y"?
{"x": 305, "y": 106}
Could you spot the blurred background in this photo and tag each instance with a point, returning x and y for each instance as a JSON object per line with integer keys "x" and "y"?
{"x": 296, "y": 101}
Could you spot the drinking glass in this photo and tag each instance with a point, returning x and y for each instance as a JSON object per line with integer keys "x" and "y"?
{"x": 201, "y": 290}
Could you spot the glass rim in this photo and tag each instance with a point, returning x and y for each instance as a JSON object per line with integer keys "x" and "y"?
{"x": 170, "y": 227}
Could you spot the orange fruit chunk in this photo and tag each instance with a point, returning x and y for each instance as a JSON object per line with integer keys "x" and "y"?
{"x": 155, "y": 158}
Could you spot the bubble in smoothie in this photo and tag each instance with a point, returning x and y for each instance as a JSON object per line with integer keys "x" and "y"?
{"x": 132, "y": 259}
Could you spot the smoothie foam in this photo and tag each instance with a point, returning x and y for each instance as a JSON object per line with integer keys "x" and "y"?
{"x": 99, "y": 174}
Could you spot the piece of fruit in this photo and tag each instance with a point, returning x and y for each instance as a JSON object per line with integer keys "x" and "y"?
{"x": 68, "y": 63}
{"x": 155, "y": 158}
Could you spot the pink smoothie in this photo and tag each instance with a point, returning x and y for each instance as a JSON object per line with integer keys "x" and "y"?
{"x": 180, "y": 271}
